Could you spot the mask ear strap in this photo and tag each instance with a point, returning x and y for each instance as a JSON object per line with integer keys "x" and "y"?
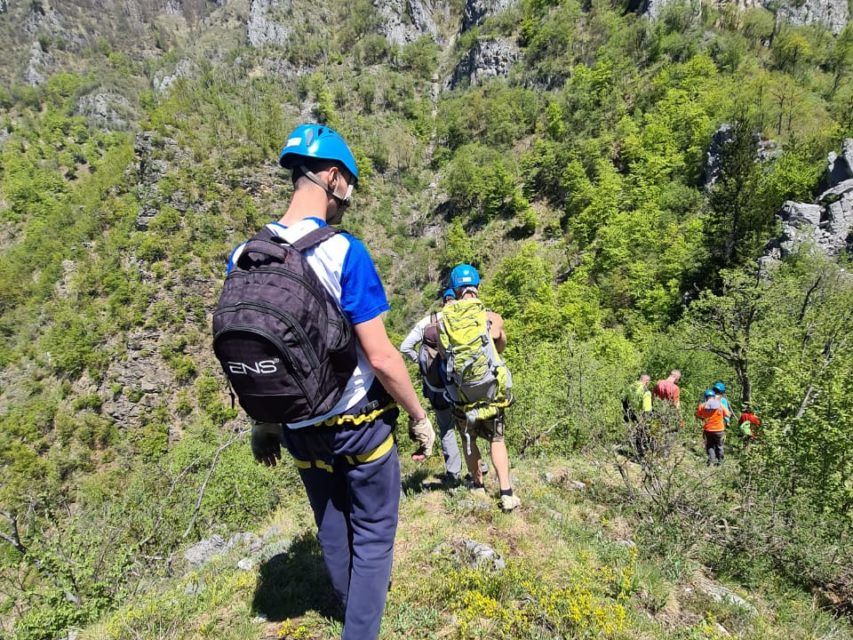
{"x": 313, "y": 177}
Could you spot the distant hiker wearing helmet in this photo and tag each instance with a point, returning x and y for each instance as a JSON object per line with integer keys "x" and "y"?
{"x": 720, "y": 391}
{"x": 471, "y": 339}
{"x": 713, "y": 414}
{"x": 421, "y": 345}
{"x": 299, "y": 331}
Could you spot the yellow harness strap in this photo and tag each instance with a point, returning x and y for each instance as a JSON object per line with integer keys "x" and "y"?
{"x": 335, "y": 421}
{"x": 376, "y": 454}
{"x": 362, "y": 458}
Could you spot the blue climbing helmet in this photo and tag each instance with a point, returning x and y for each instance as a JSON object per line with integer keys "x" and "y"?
{"x": 448, "y": 293}
{"x": 316, "y": 141}
{"x": 709, "y": 393}
{"x": 719, "y": 387}
{"x": 464, "y": 275}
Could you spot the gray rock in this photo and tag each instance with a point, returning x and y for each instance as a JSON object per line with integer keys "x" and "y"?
{"x": 204, "y": 551}
{"x": 628, "y": 544}
{"x": 719, "y": 593}
{"x": 163, "y": 79}
{"x": 246, "y": 564}
{"x": 264, "y": 28}
{"x": 404, "y": 21}
{"x": 576, "y": 485}
{"x": 722, "y": 137}
{"x": 34, "y": 74}
{"x": 832, "y": 14}
{"x": 840, "y": 167}
{"x": 477, "y": 11}
{"x": 108, "y": 111}
{"x": 486, "y": 59}
{"x": 478, "y": 555}
{"x": 552, "y": 478}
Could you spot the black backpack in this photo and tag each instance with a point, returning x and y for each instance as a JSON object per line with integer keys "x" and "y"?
{"x": 284, "y": 344}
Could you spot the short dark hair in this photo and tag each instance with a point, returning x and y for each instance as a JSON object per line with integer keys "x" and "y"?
{"x": 315, "y": 165}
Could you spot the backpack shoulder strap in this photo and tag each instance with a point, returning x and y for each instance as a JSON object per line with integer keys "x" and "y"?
{"x": 264, "y": 244}
{"x": 315, "y": 237}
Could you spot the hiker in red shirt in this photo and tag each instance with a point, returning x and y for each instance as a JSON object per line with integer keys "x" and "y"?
{"x": 713, "y": 415}
{"x": 667, "y": 390}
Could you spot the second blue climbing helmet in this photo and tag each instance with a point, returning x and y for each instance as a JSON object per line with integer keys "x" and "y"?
{"x": 464, "y": 275}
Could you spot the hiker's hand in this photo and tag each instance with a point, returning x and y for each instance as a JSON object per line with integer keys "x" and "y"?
{"x": 266, "y": 442}
{"x": 421, "y": 431}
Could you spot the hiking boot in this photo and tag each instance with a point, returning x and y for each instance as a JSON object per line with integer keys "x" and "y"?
{"x": 508, "y": 503}
{"x": 450, "y": 480}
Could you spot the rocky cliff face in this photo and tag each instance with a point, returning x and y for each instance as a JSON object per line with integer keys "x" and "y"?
{"x": 486, "y": 59}
{"x": 267, "y": 24}
{"x": 833, "y": 14}
{"x": 828, "y": 222}
{"x": 405, "y": 21}
{"x": 477, "y": 11}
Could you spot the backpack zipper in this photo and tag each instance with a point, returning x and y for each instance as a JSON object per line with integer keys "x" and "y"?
{"x": 288, "y": 274}
{"x": 286, "y": 319}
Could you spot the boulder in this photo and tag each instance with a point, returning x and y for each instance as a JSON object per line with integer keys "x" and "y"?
{"x": 263, "y": 27}
{"x": 477, "y": 11}
{"x": 486, "y": 59}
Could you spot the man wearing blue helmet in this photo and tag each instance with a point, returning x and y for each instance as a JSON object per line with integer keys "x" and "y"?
{"x": 720, "y": 391}
{"x": 421, "y": 345}
{"x": 347, "y": 458}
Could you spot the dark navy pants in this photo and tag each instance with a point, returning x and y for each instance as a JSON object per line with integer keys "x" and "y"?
{"x": 355, "y": 507}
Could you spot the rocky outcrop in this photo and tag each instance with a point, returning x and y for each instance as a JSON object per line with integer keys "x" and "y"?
{"x": 833, "y": 14}
{"x": 765, "y": 150}
{"x": 828, "y": 222}
{"x": 404, "y": 21}
{"x": 164, "y": 79}
{"x": 266, "y": 23}
{"x": 109, "y": 111}
{"x": 477, "y": 11}
{"x": 840, "y": 167}
{"x": 37, "y": 65}
{"x": 486, "y": 59}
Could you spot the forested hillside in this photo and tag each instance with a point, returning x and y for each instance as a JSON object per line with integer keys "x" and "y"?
{"x": 642, "y": 187}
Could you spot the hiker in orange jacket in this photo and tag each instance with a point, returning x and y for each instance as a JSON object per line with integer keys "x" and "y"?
{"x": 713, "y": 415}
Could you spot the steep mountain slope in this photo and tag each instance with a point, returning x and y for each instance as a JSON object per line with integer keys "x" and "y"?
{"x": 561, "y": 146}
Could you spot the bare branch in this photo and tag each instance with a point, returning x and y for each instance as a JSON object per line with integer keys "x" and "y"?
{"x": 210, "y": 471}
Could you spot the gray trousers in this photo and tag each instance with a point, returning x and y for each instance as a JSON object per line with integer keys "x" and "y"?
{"x": 449, "y": 448}
{"x": 714, "y": 446}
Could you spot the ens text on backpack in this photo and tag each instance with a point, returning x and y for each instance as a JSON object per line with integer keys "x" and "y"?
{"x": 476, "y": 376}
{"x": 284, "y": 344}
